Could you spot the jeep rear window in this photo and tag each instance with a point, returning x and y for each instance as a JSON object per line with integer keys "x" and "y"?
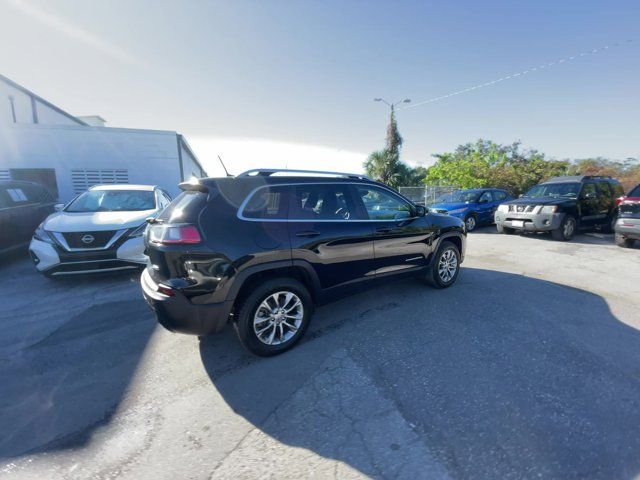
{"x": 185, "y": 207}
{"x": 635, "y": 192}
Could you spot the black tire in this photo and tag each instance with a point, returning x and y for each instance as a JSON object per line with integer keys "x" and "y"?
{"x": 503, "y": 229}
{"x": 471, "y": 222}
{"x": 434, "y": 276}
{"x": 249, "y": 308}
{"x": 624, "y": 242}
{"x": 567, "y": 230}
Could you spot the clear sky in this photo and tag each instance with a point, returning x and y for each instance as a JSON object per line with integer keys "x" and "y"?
{"x": 275, "y": 83}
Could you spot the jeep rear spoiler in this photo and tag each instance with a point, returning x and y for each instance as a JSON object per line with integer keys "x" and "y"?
{"x": 194, "y": 185}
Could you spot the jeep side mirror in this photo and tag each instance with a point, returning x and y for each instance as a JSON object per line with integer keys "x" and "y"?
{"x": 590, "y": 195}
{"x": 58, "y": 207}
{"x": 421, "y": 210}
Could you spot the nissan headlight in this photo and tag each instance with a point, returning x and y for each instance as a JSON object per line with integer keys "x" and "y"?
{"x": 503, "y": 208}
{"x": 42, "y": 235}
{"x": 139, "y": 231}
{"x": 548, "y": 209}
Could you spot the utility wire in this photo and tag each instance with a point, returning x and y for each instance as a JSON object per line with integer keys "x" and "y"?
{"x": 519, "y": 74}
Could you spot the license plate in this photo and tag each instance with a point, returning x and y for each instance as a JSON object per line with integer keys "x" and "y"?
{"x": 517, "y": 223}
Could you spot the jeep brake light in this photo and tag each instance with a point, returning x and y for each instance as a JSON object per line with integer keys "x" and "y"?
{"x": 174, "y": 234}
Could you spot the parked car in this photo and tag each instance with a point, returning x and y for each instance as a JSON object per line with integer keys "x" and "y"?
{"x": 262, "y": 249}
{"x": 99, "y": 230}
{"x": 475, "y": 207}
{"x": 23, "y": 205}
{"x": 627, "y": 227}
{"x": 562, "y": 206}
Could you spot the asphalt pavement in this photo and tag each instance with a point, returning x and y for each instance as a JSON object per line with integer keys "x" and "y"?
{"x": 529, "y": 367}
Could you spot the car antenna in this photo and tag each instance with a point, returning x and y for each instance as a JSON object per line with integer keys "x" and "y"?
{"x": 225, "y": 168}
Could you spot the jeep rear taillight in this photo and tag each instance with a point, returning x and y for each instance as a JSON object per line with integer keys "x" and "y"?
{"x": 174, "y": 234}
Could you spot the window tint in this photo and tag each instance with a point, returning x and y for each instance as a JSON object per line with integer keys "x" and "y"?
{"x": 499, "y": 196}
{"x": 383, "y": 205}
{"x": 588, "y": 189}
{"x": 485, "y": 198}
{"x": 603, "y": 189}
{"x": 635, "y": 192}
{"x": 322, "y": 202}
{"x": 268, "y": 203}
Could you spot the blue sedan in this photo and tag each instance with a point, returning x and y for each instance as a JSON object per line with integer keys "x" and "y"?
{"x": 475, "y": 206}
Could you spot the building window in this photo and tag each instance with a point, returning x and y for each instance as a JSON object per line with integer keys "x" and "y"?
{"x": 83, "y": 179}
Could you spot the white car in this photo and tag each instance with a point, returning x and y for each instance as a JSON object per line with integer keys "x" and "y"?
{"x": 99, "y": 230}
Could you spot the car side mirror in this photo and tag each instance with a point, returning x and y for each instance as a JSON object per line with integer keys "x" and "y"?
{"x": 58, "y": 207}
{"x": 590, "y": 195}
{"x": 521, "y": 195}
{"x": 421, "y": 210}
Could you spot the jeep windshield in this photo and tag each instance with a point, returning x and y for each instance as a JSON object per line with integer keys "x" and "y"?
{"x": 462, "y": 196}
{"x": 556, "y": 190}
{"x": 112, "y": 201}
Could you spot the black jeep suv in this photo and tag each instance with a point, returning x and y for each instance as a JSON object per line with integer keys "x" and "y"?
{"x": 562, "y": 205}
{"x": 261, "y": 249}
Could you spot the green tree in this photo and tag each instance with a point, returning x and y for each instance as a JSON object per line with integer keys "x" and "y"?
{"x": 488, "y": 164}
{"x": 385, "y": 165}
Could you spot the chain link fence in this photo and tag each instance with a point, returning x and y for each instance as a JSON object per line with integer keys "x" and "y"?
{"x": 426, "y": 195}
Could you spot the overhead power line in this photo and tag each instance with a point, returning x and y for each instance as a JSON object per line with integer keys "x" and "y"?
{"x": 519, "y": 74}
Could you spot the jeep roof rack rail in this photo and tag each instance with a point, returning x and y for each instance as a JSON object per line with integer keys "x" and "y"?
{"x": 267, "y": 172}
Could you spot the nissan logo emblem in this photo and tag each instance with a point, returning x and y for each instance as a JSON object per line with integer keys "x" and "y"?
{"x": 87, "y": 239}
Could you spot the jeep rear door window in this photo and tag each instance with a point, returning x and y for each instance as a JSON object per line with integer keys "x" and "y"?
{"x": 267, "y": 203}
{"x": 381, "y": 204}
{"x": 322, "y": 202}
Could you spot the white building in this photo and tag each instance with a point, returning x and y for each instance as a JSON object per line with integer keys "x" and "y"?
{"x": 40, "y": 142}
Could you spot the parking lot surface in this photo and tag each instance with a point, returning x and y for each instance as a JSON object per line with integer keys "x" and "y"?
{"x": 528, "y": 367}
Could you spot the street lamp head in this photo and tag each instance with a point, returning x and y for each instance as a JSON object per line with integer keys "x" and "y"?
{"x": 406, "y": 100}
{"x": 377, "y": 99}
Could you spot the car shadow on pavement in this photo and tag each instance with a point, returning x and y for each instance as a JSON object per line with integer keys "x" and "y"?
{"x": 59, "y": 387}
{"x": 500, "y": 376}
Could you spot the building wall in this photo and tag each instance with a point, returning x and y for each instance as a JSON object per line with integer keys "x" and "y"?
{"x": 147, "y": 157}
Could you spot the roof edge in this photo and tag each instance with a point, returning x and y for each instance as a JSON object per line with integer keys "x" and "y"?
{"x": 41, "y": 100}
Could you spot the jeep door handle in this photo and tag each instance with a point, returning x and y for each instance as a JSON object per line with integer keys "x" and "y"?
{"x": 308, "y": 234}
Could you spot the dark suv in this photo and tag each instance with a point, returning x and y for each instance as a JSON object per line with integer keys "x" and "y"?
{"x": 562, "y": 205}
{"x": 23, "y": 205}
{"x": 261, "y": 249}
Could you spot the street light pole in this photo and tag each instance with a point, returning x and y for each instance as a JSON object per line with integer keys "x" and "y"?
{"x": 392, "y": 105}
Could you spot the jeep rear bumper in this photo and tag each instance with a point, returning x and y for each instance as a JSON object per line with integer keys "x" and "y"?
{"x": 176, "y": 312}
